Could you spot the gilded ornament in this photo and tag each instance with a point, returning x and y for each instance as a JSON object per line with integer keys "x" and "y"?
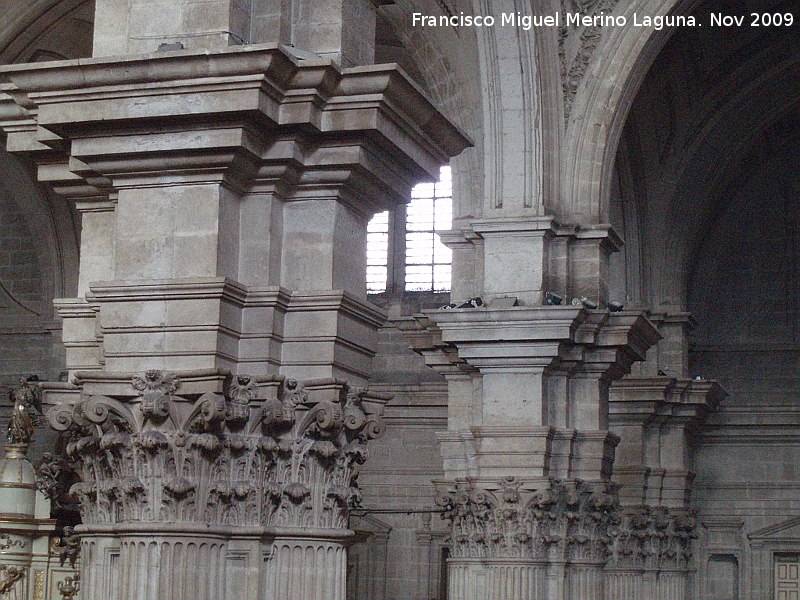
{"x": 26, "y": 400}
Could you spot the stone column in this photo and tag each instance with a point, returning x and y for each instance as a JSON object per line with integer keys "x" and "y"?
{"x": 516, "y": 541}
{"x": 17, "y": 521}
{"x": 182, "y": 493}
{"x": 234, "y": 188}
{"x": 528, "y": 455}
{"x": 650, "y": 554}
{"x": 654, "y": 411}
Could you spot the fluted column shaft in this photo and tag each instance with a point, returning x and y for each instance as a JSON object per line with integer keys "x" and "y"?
{"x": 308, "y": 567}
{"x": 153, "y": 568}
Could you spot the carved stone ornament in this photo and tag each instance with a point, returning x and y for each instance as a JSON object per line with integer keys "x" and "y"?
{"x": 656, "y": 538}
{"x": 241, "y": 459}
{"x": 575, "y": 63}
{"x": 51, "y": 478}
{"x": 155, "y": 388}
{"x": 566, "y": 520}
{"x": 241, "y": 392}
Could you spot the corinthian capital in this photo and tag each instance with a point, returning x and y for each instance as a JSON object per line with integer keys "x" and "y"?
{"x": 569, "y": 519}
{"x": 653, "y": 537}
{"x": 265, "y": 453}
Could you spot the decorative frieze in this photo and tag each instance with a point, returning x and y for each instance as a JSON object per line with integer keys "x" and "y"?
{"x": 11, "y": 543}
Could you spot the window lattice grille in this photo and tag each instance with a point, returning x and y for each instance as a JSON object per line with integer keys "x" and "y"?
{"x": 428, "y": 261}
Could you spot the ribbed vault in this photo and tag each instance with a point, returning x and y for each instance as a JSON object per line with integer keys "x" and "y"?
{"x": 701, "y": 118}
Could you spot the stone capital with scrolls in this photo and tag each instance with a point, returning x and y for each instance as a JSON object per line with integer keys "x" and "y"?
{"x": 268, "y": 452}
{"x": 564, "y": 520}
{"x": 653, "y": 538}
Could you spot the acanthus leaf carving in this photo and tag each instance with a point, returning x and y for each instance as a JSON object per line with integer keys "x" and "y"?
{"x": 575, "y": 56}
{"x": 565, "y": 519}
{"x": 653, "y": 537}
{"x": 241, "y": 458}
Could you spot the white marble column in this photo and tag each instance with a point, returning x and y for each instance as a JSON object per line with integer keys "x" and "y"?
{"x": 25, "y": 524}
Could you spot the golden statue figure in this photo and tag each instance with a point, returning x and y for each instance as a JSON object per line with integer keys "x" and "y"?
{"x": 26, "y": 401}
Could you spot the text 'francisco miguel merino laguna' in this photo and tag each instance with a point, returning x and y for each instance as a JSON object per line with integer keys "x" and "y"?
{"x": 527, "y": 22}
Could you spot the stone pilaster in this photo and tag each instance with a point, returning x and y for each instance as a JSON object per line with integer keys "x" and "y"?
{"x": 654, "y": 418}
{"x": 542, "y": 384}
{"x": 654, "y": 413}
{"x": 529, "y": 255}
{"x": 528, "y": 454}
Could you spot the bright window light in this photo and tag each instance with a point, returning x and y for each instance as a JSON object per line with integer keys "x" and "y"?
{"x": 377, "y": 252}
{"x": 430, "y": 211}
